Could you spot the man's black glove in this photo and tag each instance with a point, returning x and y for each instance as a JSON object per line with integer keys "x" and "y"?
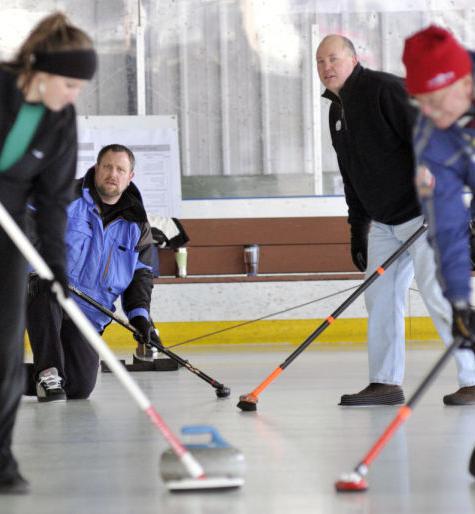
{"x": 463, "y": 324}
{"x": 145, "y": 327}
{"x": 359, "y": 245}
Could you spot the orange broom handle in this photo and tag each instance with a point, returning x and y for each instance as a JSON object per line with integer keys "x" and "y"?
{"x": 403, "y": 413}
{"x": 267, "y": 381}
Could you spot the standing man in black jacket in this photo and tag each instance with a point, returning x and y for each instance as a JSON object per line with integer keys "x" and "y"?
{"x": 370, "y": 124}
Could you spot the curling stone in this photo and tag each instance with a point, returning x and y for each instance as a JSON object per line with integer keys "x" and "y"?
{"x": 224, "y": 465}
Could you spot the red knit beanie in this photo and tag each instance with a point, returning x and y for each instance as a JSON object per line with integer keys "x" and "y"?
{"x": 434, "y": 59}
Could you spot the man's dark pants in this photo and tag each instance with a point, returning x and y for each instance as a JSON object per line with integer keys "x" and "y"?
{"x": 56, "y": 342}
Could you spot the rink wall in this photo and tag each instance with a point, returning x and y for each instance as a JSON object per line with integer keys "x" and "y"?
{"x": 305, "y": 274}
{"x": 287, "y": 312}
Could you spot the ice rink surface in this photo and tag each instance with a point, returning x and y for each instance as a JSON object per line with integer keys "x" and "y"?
{"x": 101, "y": 456}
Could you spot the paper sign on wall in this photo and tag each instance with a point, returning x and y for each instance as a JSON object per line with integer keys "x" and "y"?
{"x": 154, "y": 142}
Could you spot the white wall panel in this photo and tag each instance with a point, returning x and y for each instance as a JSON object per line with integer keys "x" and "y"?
{"x": 238, "y": 73}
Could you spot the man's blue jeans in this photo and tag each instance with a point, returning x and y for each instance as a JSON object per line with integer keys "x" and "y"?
{"x": 385, "y": 302}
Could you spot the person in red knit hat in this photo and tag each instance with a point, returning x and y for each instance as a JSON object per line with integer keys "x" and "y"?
{"x": 439, "y": 76}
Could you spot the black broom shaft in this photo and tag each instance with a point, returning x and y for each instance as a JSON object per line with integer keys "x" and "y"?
{"x": 189, "y": 367}
{"x": 433, "y": 372}
{"x": 103, "y": 309}
{"x": 353, "y": 296}
{"x": 132, "y": 329}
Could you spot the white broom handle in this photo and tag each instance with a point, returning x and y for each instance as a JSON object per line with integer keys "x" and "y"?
{"x": 83, "y": 324}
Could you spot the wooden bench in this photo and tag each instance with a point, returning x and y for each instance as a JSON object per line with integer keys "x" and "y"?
{"x": 288, "y": 246}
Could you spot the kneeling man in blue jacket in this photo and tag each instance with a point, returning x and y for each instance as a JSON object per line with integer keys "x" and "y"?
{"x": 109, "y": 247}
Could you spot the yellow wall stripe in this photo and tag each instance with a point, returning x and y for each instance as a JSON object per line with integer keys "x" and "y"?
{"x": 348, "y": 331}
{"x": 286, "y": 331}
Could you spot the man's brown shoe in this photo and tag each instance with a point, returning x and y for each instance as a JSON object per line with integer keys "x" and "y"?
{"x": 375, "y": 394}
{"x": 464, "y": 396}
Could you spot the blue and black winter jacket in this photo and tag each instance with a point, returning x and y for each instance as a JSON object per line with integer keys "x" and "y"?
{"x": 445, "y": 166}
{"x": 109, "y": 251}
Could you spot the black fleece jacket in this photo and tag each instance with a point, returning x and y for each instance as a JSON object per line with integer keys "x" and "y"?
{"x": 45, "y": 172}
{"x": 371, "y": 129}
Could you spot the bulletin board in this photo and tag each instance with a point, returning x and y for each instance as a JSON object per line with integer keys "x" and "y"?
{"x": 154, "y": 142}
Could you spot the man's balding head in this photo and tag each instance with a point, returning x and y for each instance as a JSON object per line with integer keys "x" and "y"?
{"x": 336, "y": 60}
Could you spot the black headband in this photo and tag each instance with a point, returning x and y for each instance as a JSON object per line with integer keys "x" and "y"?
{"x": 77, "y": 64}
